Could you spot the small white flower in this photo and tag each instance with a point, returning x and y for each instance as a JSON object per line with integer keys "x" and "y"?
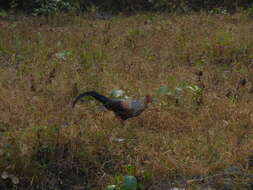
{"x": 4, "y": 175}
{"x": 15, "y": 180}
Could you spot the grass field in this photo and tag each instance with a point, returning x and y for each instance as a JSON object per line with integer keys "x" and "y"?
{"x": 199, "y": 127}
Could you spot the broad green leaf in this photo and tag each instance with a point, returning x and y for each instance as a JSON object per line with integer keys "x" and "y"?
{"x": 117, "y": 93}
{"x": 130, "y": 183}
{"x": 163, "y": 90}
{"x": 111, "y": 187}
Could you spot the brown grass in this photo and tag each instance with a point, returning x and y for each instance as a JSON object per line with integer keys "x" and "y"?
{"x": 45, "y": 63}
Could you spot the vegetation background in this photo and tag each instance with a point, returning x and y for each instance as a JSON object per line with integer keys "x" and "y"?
{"x": 50, "y": 6}
{"x": 194, "y": 57}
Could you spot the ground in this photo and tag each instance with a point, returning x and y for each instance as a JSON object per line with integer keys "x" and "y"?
{"x": 197, "y": 134}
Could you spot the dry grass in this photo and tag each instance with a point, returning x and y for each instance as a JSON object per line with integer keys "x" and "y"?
{"x": 45, "y": 63}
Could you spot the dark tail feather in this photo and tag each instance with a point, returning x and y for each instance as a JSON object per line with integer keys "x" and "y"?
{"x": 94, "y": 94}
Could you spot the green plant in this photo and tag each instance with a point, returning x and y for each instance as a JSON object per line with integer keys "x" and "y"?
{"x": 129, "y": 183}
{"x": 249, "y": 11}
{"x": 219, "y": 11}
{"x": 197, "y": 94}
{"x": 50, "y": 7}
{"x": 3, "y": 13}
{"x": 181, "y": 93}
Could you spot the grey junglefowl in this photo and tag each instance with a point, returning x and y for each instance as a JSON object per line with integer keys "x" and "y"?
{"x": 123, "y": 108}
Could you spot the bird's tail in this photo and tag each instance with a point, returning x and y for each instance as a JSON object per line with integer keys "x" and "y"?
{"x": 94, "y": 94}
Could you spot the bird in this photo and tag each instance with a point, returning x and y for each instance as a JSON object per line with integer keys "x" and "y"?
{"x": 122, "y": 108}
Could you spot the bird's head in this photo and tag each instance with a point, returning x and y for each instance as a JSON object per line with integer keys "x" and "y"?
{"x": 148, "y": 99}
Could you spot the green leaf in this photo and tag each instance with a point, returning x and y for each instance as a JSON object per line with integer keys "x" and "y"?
{"x": 117, "y": 93}
{"x": 130, "y": 183}
{"x": 193, "y": 88}
{"x": 111, "y": 187}
{"x": 163, "y": 90}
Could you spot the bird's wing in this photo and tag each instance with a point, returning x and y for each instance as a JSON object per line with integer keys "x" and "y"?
{"x": 126, "y": 105}
{"x": 117, "y": 105}
{"x": 136, "y": 106}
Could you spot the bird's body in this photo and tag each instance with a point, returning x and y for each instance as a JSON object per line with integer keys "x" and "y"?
{"x": 123, "y": 108}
